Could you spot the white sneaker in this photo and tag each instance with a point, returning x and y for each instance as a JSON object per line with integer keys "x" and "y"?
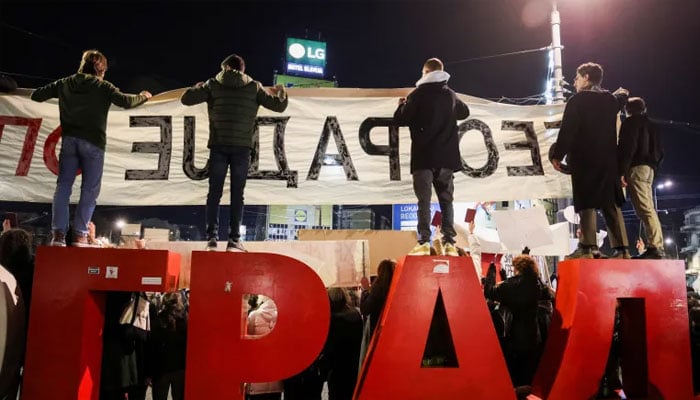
{"x": 449, "y": 249}
{"x": 421, "y": 249}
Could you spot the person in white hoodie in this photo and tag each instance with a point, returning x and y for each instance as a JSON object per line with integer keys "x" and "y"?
{"x": 261, "y": 321}
{"x": 431, "y": 112}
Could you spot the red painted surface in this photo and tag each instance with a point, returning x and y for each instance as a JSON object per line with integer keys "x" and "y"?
{"x": 392, "y": 369}
{"x": 581, "y": 331}
{"x": 64, "y": 350}
{"x": 219, "y": 358}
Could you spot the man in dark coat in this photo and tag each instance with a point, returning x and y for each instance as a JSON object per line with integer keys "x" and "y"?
{"x": 233, "y": 99}
{"x": 639, "y": 154}
{"x": 588, "y": 137}
{"x": 431, "y": 111}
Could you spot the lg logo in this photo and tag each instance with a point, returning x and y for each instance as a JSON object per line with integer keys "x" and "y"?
{"x": 298, "y": 50}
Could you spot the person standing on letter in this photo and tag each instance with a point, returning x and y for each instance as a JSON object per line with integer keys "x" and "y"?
{"x": 233, "y": 99}
{"x": 431, "y": 111}
{"x": 83, "y": 102}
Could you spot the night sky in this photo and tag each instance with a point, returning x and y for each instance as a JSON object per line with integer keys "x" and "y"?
{"x": 647, "y": 46}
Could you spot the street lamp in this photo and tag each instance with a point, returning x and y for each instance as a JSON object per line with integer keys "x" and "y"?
{"x": 119, "y": 224}
{"x": 555, "y": 20}
{"x": 666, "y": 184}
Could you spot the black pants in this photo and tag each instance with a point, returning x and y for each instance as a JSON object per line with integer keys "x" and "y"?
{"x": 442, "y": 179}
{"x": 221, "y": 159}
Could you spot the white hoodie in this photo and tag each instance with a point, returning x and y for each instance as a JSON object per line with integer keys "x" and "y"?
{"x": 432, "y": 77}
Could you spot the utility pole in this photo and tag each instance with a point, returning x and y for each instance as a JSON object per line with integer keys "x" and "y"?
{"x": 558, "y": 79}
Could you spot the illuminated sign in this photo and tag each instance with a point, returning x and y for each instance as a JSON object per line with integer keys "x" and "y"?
{"x": 305, "y": 57}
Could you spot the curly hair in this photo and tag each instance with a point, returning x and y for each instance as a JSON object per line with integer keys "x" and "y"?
{"x": 15, "y": 248}
{"x": 525, "y": 264}
{"x": 173, "y": 309}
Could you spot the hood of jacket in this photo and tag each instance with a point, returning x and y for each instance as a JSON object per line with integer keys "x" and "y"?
{"x": 233, "y": 78}
{"x": 433, "y": 77}
{"x": 81, "y": 83}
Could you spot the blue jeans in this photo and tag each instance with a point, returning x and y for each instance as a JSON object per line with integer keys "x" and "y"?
{"x": 77, "y": 154}
{"x": 221, "y": 158}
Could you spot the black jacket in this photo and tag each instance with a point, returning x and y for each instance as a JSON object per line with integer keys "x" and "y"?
{"x": 342, "y": 353}
{"x": 640, "y": 144}
{"x": 431, "y": 112}
{"x": 233, "y": 99}
{"x": 588, "y": 137}
{"x": 372, "y": 304}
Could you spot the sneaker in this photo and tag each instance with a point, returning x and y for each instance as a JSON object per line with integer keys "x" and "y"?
{"x": 449, "y": 249}
{"x": 235, "y": 246}
{"x": 211, "y": 244}
{"x": 621, "y": 254}
{"x": 82, "y": 241}
{"x": 421, "y": 249}
{"x": 580, "y": 252}
{"x": 652, "y": 253}
{"x": 58, "y": 239}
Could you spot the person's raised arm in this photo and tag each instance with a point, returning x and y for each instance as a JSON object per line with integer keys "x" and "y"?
{"x": 277, "y": 100}
{"x": 46, "y": 92}
{"x": 127, "y": 101}
{"x": 199, "y": 93}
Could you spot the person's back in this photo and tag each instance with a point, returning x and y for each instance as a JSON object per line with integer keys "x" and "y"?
{"x": 345, "y": 337}
{"x": 83, "y": 101}
{"x": 232, "y": 98}
{"x": 639, "y": 155}
{"x": 640, "y": 143}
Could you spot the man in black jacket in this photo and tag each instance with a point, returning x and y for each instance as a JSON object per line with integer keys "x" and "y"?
{"x": 588, "y": 137}
{"x": 431, "y": 111}
{"x": 639, "y": 154}
{"x": 233, "y": 99}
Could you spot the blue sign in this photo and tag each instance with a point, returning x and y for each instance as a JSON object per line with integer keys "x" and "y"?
{"x": 405, "y": 216}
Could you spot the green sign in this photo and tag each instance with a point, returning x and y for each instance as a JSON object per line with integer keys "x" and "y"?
{"x": 306, "y": 57}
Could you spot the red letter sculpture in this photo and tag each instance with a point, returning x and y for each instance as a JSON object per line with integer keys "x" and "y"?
{"x": 64, "y": 351}
{"x": 392, "y": 369}
{"x": 219, "y": 358}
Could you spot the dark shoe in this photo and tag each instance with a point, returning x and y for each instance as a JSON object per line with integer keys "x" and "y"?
{"x": 235, "y": 246}
{"x": 652, "y": 253}
{"x": 620, "y": 254}
{"x": 580, "y": 252}
{"x": 211, "y": 244}
{"x": 58, "y": 239}
{"x": 598, "y": 254}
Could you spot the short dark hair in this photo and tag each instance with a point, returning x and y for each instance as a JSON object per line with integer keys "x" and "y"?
{"x": 593, "y": 70}
{"x": 234, "y": 61}
{"x": 635, "y": 106}
{"x": 93, "y": 62}
{"x": 434, "y": 64}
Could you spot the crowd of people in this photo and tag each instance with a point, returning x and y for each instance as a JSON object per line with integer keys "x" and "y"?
{"x": 145, "y": 334}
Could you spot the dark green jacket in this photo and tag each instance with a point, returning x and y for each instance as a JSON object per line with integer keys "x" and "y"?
{"x": 83, "y": 101}
{"x": 233, "y": 99}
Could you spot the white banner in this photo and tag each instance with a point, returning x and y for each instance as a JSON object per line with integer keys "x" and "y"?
{"x": 156, "y": 154}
